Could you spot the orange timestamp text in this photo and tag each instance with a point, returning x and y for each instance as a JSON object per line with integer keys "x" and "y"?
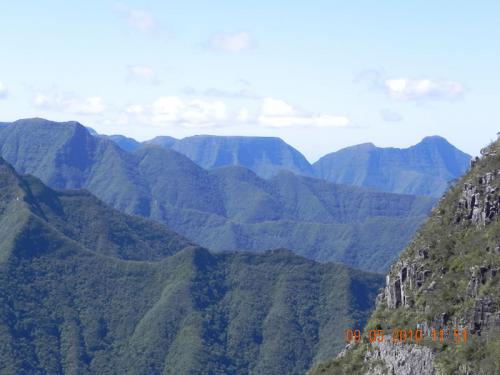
{"x": 416, "y": 336}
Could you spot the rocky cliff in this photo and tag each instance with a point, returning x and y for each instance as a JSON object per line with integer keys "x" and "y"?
{"x": 447, "y": 281}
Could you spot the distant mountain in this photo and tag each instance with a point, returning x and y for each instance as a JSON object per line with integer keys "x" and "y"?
{"x": 85, "y": 289}
{"x": 447, "y": 283}
{"x": 163, "y": 141}
{"x": 224, "y": 209}
{"x": 125, "y": 143}
{"x": 92, "y": 131}
{"x": 423, "y": 169}
{"x": 266, "y": 156}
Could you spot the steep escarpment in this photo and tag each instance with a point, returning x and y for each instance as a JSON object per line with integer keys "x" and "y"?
{"x": 447, "y": 280}
{"x": 223, "y": 209}
{"x": 81, "y": 217}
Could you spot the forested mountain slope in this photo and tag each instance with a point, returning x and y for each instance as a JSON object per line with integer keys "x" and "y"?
{"x": 223, "y": 209}
{"x": 85, "y": 289}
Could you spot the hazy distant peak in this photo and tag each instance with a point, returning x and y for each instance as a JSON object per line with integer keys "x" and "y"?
{"x": 235, "y": 137}
{"x": 125, "y": 143}
{"x": 422, "y": 169}
{"x": 362, "y": 147}
{"x": 434, "y": 139}
{"x": 38, "y": 121}
{"x": 263, "y": 155}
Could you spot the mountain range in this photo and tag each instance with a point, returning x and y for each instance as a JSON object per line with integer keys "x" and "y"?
{"x": 85, "y": 289}
{"x": 447, "y": 284}
{"x": 424, "y": 169}
{"x": 266, "y": 156}
{"x": 228, "y": 208}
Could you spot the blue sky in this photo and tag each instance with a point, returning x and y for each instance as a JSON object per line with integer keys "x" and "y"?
{"x": 320, "y": 74}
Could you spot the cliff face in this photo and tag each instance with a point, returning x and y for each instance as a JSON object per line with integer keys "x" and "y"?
{"x": 447, "y": 279}
{"x": 417, "y": 274}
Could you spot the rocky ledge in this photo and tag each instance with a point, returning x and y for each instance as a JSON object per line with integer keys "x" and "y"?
{"x": 480, "y": 201}
{"x": 397, "y": 359}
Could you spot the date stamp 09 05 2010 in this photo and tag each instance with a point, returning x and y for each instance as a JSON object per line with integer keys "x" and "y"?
{"x": 416, "y": 336}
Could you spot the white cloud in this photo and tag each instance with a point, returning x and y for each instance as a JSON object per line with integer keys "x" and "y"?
{"x": 278, "y": 113}
{"x": 193, "y": 113}
{"x": 232, "y": 42}
{"x": 89, "y": 106}
{"x": 390, "y": 116}
{"x": 199, "y": 113}
{"x": 69, "y": 103}
{"x": 410, "y": 89}
{"x": 4, "y": 92}
{"x": 423, "y": 89}
{"x": 139, "y": 19}
{"x": 142, "y": 73}
{"x": 276, "y": 107}
{"x": 243, "y": 115}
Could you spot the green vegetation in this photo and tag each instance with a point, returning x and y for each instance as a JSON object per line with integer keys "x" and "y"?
{"x": 458, "y": 251}
{"x": 85, "y": 289}
{"x": 423, "y": 169}
{"x": 481, "y": 356}
{"x": 223, "y": 209}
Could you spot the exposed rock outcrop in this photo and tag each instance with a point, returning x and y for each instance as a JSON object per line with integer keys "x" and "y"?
{"x": 483, "y": 316}
{"x": 480, "y": 276}
{"x": 480, "y": 201}
{"x": 400, "y": 359}
{"x": 402, "y": 280}
{"x": 479, "y": 205}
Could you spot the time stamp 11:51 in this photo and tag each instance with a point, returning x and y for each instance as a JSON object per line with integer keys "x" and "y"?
{"x": 397, "y": 335}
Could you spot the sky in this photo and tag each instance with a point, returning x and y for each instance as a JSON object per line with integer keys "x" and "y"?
{"x": 322, "y": 75}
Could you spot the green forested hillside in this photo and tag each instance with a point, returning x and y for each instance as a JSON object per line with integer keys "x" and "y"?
{"x": 447, "y": 279}
{"x": 87, "y": 290}
{"x": 223, "y": 209}
{"x": 81, "y": 217}
{"x": 424, "y": 169}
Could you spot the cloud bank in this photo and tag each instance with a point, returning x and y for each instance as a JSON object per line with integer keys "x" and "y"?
{"x": 423, "y": 89}
{"x": 280, "y": 114}
{"x": 200, "y": 113}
